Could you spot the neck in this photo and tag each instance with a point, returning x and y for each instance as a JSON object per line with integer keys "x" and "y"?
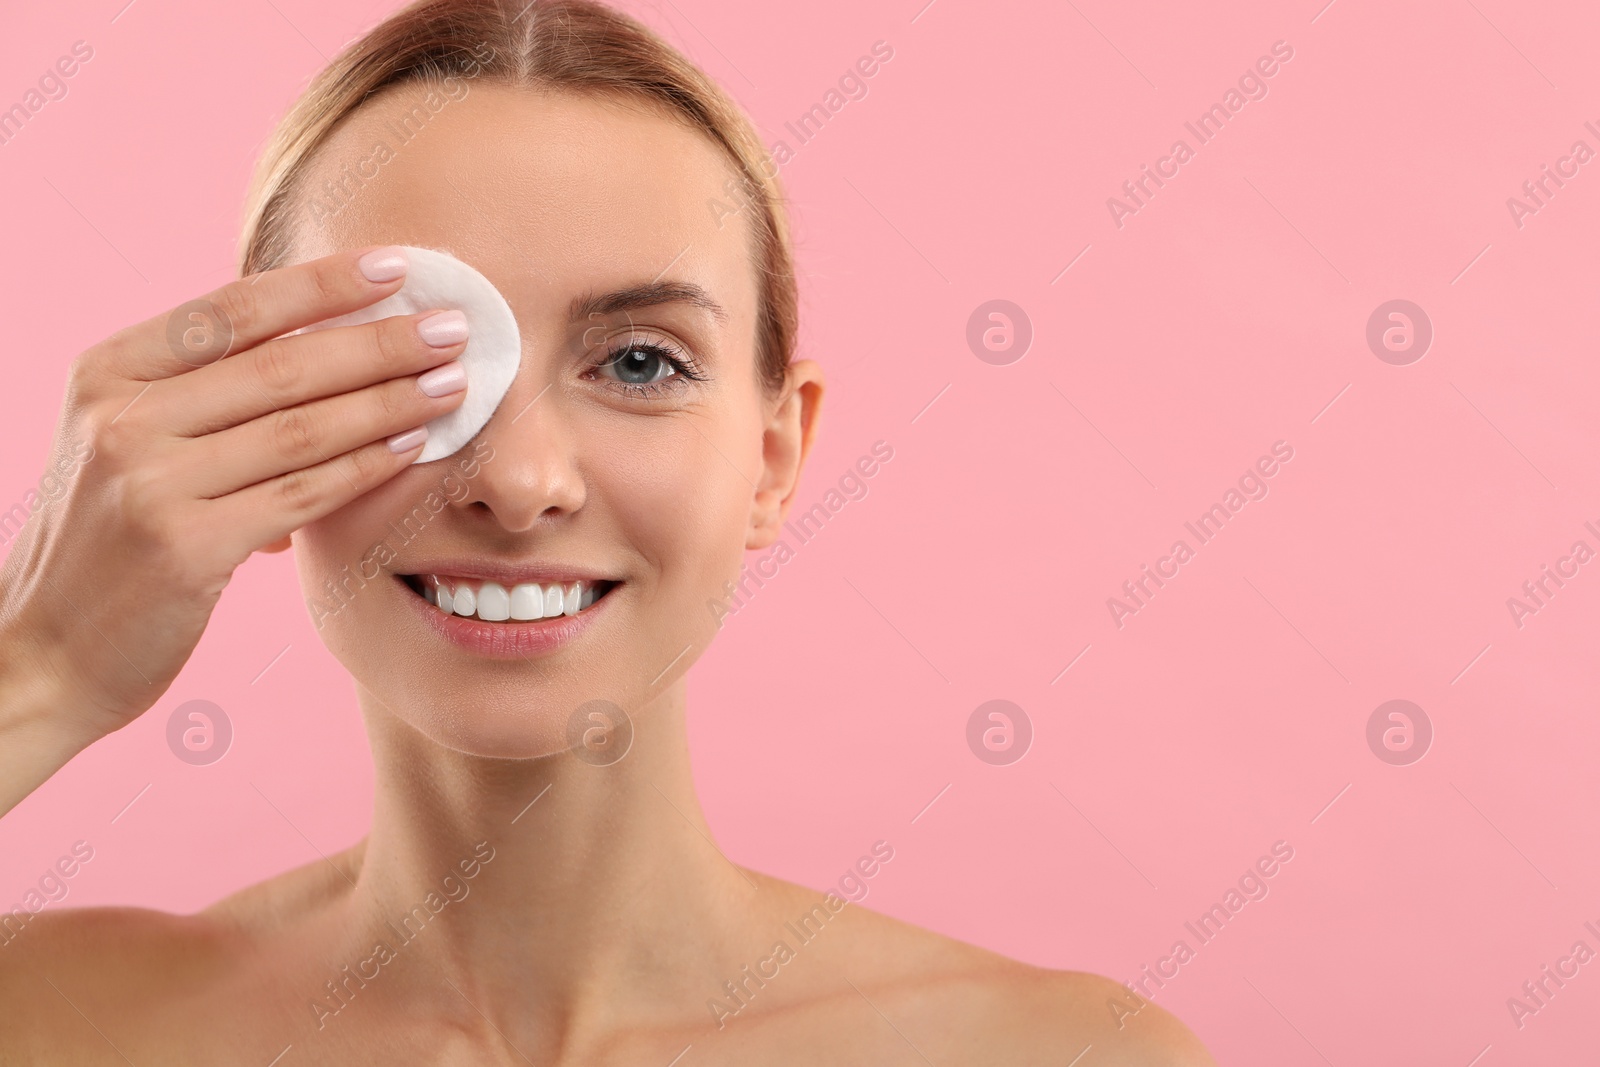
{"x": 552, "y": 890}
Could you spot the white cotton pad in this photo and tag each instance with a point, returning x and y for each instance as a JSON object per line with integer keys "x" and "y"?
{"x": 438, "y": 280}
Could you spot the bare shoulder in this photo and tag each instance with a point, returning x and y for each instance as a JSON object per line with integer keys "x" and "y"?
{"x": 1050, "y": 1012}
{"x": 980, "y": 1007}
{"x": 87, "y": 944}
{"x": 120, "y": 966}
{"x": 61, "y": 939}
{"x": 63, "y": 968}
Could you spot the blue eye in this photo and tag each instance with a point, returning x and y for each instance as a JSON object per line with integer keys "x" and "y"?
{"x": 647, "y": 368}
{"x": 640, "y": 363}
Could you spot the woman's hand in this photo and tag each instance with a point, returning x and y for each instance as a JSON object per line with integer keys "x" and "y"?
{"x": 182, "y": 463}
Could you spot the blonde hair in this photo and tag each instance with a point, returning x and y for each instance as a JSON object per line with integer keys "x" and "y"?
{"x": 574, "y": 45}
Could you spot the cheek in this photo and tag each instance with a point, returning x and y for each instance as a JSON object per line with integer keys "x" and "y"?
{"x": 341, "y": 559}
{"x": 347, "y": 546}
{"x": 683, "y": 500}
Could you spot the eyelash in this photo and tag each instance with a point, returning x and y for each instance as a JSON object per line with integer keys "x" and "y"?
{"x": 683, "y": 365}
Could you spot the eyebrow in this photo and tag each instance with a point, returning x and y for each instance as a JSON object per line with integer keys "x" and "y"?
{"x": 653, "y": 294}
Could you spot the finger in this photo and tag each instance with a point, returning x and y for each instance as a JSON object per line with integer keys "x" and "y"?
{"x": 269, "y": 511}
{"x": 308, "y": 434}
{"x": 244, "y": 313}
{"x": 280, "y": 374}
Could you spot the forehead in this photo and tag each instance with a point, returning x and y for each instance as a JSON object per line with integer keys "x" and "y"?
{"x": 550, "y": 194}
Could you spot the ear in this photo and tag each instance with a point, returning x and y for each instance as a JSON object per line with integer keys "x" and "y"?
{"x": 785, "y": 444}
{"x": 279, "y": 545}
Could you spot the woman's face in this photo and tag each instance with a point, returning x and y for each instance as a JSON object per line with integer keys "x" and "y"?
{"x": 605, "y": 225}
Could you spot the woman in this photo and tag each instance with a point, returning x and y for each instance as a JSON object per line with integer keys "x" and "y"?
{"x": 539, "y": 884}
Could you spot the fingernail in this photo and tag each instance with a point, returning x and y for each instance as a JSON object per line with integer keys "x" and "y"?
{"x": 384, "y": 264}
{"x": 445, "y": 328}
{"x": 442, "y": 381}
{"x": 405, "y": 442}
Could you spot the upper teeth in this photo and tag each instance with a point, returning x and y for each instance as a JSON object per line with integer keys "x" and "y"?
{"x": 493, "y": 602}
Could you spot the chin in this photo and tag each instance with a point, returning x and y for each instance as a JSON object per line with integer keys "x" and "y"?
{"x": 465, "y": 727}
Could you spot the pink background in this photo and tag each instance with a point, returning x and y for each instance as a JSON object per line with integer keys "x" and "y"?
{"x": 1223, "y": 316}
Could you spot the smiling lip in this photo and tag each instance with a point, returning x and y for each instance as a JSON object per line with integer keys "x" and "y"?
{"x": 505, "y": 640}
{"x": 480, "y": 570}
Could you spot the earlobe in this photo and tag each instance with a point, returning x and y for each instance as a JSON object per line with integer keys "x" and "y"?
{"x": 280, "y": 545}
{"x": 786, "y": 442}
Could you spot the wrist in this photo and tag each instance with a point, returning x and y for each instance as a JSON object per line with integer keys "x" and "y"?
{"x": 39, "y": 719}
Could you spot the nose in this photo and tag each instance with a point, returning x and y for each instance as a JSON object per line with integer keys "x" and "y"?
{"x": 531, "y": 475}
